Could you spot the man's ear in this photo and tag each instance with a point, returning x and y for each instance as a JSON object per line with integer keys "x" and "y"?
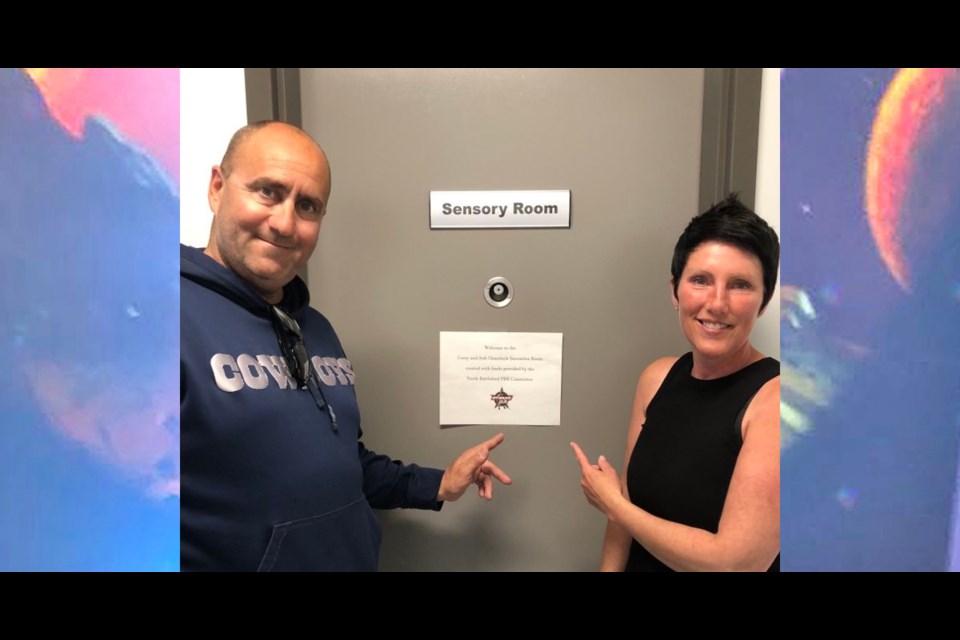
{"x": 215, "y": 190}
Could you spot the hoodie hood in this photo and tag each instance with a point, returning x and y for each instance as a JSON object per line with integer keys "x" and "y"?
{"x": 200, "y": 268}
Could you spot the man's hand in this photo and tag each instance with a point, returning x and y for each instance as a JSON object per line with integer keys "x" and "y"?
{"x": 473, "y": 467}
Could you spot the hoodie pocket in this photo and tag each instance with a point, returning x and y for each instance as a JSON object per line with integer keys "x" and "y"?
{"x": 347, "y": 539}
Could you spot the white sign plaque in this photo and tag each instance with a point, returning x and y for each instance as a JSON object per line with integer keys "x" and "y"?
{"x": 499, "y": 209}
{"x": 500, "y": 378}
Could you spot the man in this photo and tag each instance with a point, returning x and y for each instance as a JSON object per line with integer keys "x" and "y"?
{"x": 274, "y": 475}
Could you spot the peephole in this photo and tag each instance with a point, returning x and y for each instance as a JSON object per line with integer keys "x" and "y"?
{"x": 498, "y": 292}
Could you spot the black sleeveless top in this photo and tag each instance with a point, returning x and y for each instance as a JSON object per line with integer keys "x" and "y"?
{"x": 683, "y": 460}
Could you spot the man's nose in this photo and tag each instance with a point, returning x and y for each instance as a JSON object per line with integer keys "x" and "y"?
{"x": 283, "y": 219}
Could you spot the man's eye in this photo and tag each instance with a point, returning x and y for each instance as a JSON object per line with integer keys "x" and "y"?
{"x": 309, "y": 209}
{"x": 267, "y": 192}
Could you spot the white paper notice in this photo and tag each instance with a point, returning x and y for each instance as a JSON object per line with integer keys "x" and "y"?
{"x": 500, "y": 378}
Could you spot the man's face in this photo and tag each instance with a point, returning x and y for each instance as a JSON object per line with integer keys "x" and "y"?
{"x": 267, "y": 212}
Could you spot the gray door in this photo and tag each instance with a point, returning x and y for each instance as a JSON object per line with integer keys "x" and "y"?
{"x": 626, "y": 142}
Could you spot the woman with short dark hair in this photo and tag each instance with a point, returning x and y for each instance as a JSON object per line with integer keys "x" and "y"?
{"x": 701, "y": 491}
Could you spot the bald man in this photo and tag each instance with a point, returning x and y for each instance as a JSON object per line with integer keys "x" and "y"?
{"x": 274, "y": 476}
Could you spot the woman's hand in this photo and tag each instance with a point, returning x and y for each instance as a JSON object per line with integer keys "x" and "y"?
{"x": 600, "y": 482}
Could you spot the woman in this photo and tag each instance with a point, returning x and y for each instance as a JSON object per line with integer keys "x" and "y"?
{"x": 701, "y": 491}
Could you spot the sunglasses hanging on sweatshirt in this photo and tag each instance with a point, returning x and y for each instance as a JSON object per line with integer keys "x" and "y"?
{"x": 294, "y": 352}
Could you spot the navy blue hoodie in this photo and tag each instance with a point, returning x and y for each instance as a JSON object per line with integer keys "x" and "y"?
{"x": 269, "y": 481}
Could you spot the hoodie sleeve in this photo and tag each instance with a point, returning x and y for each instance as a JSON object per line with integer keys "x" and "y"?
{"x": 389, "y": 484}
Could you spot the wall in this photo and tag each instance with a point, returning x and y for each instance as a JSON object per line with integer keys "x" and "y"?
{"x": 767, "y": 331}
{"x": 212, "y": 106}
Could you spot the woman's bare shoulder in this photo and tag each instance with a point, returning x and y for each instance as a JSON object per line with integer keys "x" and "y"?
{"x": 764, "y": 407}
{"x": 653, "y": 376}
{"x": 648, "y": 385}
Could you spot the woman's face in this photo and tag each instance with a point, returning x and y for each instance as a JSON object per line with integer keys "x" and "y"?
{"x": 719, "y": 298}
